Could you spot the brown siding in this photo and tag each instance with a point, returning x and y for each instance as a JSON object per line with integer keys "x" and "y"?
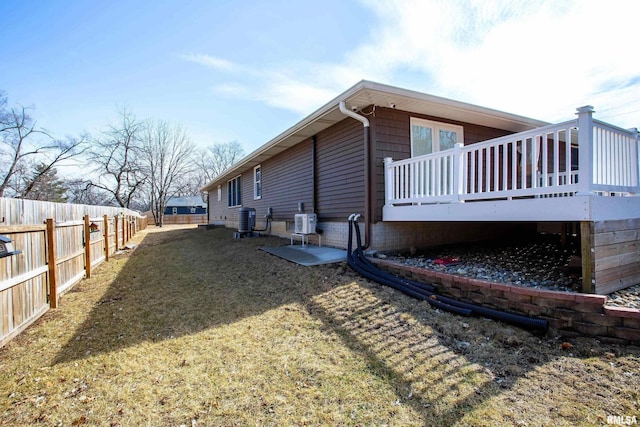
{"x": 391, "y": 137}
{"x": 286, "y": 180}
{"x": 340, "y": 170}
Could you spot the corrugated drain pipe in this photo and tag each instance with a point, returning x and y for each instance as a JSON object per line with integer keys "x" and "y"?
{"x": 367, "y": 191}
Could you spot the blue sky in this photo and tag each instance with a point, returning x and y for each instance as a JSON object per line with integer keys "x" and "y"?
{"x": 247, "y": 71}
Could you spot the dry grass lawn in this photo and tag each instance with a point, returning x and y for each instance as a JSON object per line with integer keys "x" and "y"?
{"x": 196, "y": 328}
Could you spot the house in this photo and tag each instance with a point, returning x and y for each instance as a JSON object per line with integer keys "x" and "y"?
{"x": 185, "y": 210}
{"x": 191, "y": 205}
{"x": 425, "y": 170}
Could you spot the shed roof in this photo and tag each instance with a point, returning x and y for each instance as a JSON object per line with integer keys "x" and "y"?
{"x": 366, "y": 93}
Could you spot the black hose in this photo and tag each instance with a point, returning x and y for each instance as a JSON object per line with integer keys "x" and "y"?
{"x": 353, "y": 263}
{"x": 370, "y": 266}
{"x": 358, "y": 261}
{"x": 266, "y": 227}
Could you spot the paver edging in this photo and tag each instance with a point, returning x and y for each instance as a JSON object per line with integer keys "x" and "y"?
{"x": 568, "y": 313}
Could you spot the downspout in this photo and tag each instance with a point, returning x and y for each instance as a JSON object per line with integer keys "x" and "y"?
{"x": 367, "y": 190}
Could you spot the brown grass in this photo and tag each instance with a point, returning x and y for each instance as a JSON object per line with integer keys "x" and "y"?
{"x": 196, "y": 328}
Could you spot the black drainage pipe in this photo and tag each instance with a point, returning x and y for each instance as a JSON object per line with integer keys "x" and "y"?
{"x": 366, "y": 264}
{"x": 357, "y": 260}
{"x": 421, "y": 295}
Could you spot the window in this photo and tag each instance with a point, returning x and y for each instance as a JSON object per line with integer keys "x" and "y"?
{"x": 193, "y": 210}
{"x": 429, "y": 137}
{"x": 257, "y": 182}
{"x": 219, "y": 192}
{"x": 175, "y": 211}
{"x": 234, "y": 192}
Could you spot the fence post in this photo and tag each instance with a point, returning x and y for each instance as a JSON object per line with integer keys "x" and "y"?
{"x": 106, "y": 238}
{"x": 116, "y": 231}
{"x": 87, "y": 247}
{"x": 51, "y": 260}
{"x": 585, "y": 150}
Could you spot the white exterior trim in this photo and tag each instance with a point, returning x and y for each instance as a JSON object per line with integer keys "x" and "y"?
{"x": 576, "y": 208}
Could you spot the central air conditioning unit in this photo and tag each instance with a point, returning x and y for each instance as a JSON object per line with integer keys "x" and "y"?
{"x": 305, "y": 223}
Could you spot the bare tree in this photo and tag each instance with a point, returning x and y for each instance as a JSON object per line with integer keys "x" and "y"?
{"x": 215, "y": 159}
{"x": 28, "y": 151}
{"x": 168, "y": 160}
{"x": 42, "y": 171}
{"x": 117, "y": 156}
{"x": 83, "y": 192}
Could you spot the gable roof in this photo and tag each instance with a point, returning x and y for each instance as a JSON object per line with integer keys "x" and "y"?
{"x": 363, "y": 94}
{"x": 190, "y": 201}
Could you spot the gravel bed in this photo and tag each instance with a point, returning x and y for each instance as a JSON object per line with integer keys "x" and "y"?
{"x": 629, "y": 297}
{"x": 541, "y": 263}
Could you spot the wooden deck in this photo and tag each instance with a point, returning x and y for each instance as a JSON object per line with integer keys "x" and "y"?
{"x": 583, "y": 171}
{"x": 537, "y": 175}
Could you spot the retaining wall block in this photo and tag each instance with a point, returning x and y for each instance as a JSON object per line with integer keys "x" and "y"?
{"x": 590, "y": 328}
{"x": 622, "y": 312}
{"x": 602, "y": 319}
{"x": 625, "y": 333}
{"x": 628, "y": 322}
{"x": 528, "y": 309}
{"x": 588, "y": 308}
{"x": 517, "y": 297}
{"x": 554, "y": 303}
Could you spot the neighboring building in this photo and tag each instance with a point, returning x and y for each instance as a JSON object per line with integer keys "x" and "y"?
{"x": 425, "y": 170}
{"x": 192, "y": 205}
{"x": 184, "y": 210}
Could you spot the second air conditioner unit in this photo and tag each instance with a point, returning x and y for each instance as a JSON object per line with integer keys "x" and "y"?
{"x": 305, "y": 223}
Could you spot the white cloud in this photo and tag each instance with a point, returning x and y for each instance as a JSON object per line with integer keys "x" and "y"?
{"x": 209, "y": 61}
{"x": 540, "y": 59}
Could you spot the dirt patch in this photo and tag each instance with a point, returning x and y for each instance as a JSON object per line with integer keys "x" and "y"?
{"x": 193, "y": 327}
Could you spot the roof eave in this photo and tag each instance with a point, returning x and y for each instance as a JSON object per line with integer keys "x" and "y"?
{"x": 363, "y": 94}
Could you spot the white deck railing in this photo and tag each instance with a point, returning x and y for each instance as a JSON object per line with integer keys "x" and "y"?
{"x": 543, "y": 162}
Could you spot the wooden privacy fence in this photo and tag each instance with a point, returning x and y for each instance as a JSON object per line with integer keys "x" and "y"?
{"x": 60, "y": 244}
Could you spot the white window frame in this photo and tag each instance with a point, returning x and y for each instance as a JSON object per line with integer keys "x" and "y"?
{"x": 437, "y": 127}
{"x": 219, "y": 193}
{"x": 174, "y": 211}
{"x": 257, "y": 182}
{"x": 193, "y": 210}
{"x": 237, "y": 188}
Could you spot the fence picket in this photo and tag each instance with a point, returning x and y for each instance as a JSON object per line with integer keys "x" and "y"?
{"x": 50, "y": 236}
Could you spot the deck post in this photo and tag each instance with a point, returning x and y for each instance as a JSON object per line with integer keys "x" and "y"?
{"x": 586, "y": 245}
{"x": 585, "y": 150}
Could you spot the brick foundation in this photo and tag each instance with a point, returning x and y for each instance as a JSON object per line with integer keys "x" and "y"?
{"x": 570, "y": 314}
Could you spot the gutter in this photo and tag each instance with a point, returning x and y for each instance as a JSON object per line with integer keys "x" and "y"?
{"x": 367, "y": 184}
